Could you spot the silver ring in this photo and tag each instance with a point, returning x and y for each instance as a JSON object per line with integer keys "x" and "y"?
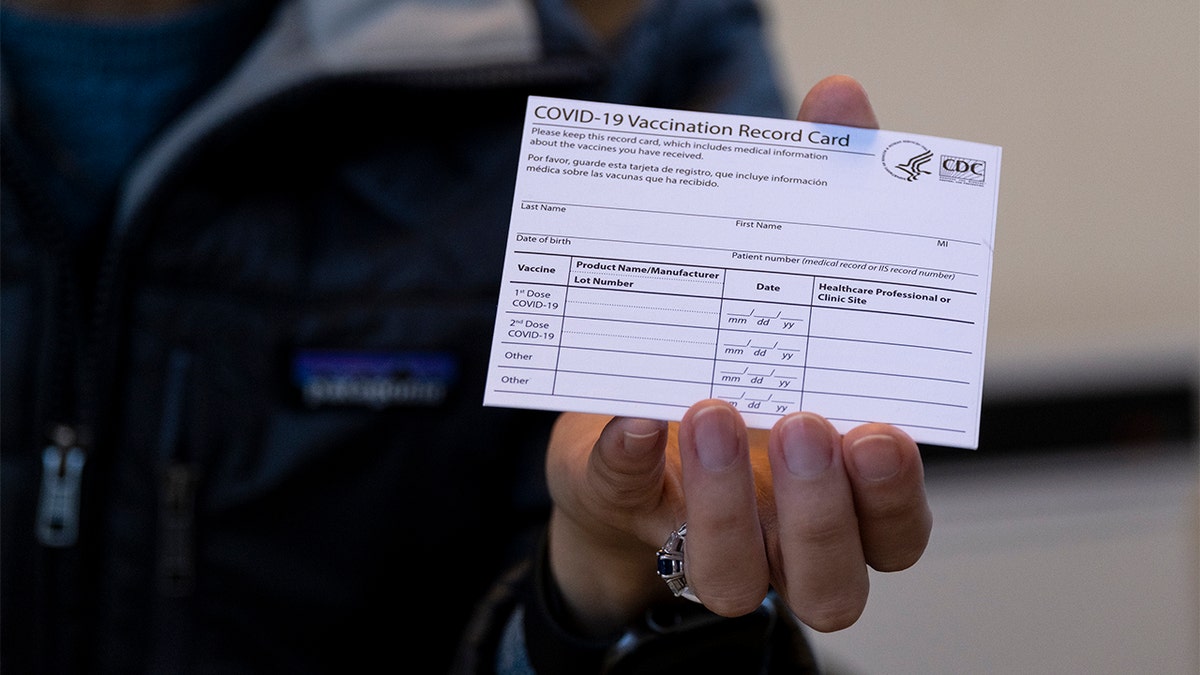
{"x": 670, "y": 564}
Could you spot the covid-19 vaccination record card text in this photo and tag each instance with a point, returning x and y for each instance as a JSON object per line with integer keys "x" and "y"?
{"x": 658, "y": 257}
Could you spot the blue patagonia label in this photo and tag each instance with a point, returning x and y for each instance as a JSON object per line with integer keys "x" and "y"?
{"x": 373, "y": 379}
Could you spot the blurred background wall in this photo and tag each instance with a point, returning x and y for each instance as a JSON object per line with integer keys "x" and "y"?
{"x": 1068, "y": 542}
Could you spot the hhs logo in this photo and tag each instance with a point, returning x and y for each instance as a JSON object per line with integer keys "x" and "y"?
{"x": 906, "y": 160}
{"x": 963, "y": 170}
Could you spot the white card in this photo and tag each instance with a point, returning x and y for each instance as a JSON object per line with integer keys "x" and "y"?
{"x": 657, "y": 258}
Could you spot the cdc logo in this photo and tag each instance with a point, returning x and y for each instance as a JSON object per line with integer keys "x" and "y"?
{"x": 962, "y": 170}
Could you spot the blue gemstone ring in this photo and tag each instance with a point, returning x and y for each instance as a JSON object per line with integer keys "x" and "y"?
{"x": 670, "y": 565}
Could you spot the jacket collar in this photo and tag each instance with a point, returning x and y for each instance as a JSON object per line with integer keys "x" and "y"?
{"x": 309, "y": 40}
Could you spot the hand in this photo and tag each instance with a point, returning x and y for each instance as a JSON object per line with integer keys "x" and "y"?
{"x": 801, "y": 508}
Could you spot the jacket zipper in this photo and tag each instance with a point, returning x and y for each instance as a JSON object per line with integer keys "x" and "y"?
{"x": 61, "y": 386}
{"x": 63, "y": 460}
{"x": 58, "y": 503}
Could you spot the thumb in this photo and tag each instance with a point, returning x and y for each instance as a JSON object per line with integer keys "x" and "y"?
{"x": 606, "y": 476}
{"x": 838, "y": 99}
{"x": 627, "y": 463}
{"x": 604, "y": 468}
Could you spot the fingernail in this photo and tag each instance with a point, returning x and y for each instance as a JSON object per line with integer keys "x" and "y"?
{"x": 876, "y": 457}
{"x": 640, "y": 443}
{"x": 807, "y": 445}
{"x": 716, "y": 439}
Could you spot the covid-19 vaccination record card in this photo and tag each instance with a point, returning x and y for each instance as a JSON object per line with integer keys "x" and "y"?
{"x": 658, "y": 257}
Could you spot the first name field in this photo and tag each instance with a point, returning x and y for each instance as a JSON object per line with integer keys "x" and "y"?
{"x": 659, "y": 257}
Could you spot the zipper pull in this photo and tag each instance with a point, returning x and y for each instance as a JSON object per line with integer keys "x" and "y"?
{"x": 176, "y": 531}
{"x": 58, "y": 503}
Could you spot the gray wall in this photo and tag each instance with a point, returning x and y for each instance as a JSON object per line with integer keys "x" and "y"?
{"x": 1097, "y": 106}
{"x": 1084, "y": 562}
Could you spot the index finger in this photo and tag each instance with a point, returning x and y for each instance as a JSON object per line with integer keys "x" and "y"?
{"x": 888, "y": 482}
